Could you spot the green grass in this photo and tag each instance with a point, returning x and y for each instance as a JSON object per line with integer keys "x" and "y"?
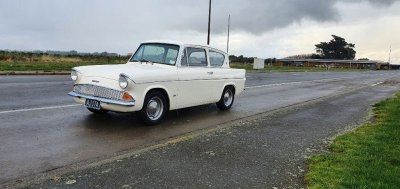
{"x": 270, "y": 68}
{"x": 43, "y": 66}
{"x": 368, "y": 157}
{"x": 25, "y": 61}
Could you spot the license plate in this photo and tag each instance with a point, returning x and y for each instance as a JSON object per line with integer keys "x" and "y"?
{"x": 95, "y": 104}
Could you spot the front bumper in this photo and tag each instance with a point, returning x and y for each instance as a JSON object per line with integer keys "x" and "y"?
{"x": 103, "y": 100}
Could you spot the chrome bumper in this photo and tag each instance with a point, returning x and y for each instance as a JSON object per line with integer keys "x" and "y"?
{"x": 104, "y": 100}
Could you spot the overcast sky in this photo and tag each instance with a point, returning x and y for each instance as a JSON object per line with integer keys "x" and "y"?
{"x": 260, "y": 28}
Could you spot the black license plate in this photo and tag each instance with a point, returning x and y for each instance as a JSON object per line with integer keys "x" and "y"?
{"x": 95, "y": 104}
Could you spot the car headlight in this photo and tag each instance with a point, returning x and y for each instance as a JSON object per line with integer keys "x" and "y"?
{"x": 74, "y": 75}
{"x": 123, "y": 81}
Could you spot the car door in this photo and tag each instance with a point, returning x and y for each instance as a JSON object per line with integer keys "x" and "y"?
{"x": 194, "y": 78}
{"x": 219, "y": 75}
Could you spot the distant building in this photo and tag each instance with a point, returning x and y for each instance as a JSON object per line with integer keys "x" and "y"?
{"x": 327, "y": 63}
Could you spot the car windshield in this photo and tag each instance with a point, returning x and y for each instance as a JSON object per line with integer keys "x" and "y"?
{"x": 156, "y": 53}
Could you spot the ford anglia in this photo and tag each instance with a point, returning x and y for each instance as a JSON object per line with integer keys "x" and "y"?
{"x": 157, "y": 78}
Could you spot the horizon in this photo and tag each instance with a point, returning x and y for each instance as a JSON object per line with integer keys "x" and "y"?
{"x": 79, "y": 53}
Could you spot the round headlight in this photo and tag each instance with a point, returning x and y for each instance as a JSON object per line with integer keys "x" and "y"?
{"x": 74, "y": 75}
{"x": 123, "y": 82}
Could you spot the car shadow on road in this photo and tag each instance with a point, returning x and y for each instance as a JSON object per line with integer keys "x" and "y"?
{"x": 113, "y": 121}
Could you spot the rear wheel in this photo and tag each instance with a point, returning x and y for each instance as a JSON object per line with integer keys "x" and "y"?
{"x": 154, "y": 108}
{"x": 101, "y": 111}
{"x": 227, "y": 98}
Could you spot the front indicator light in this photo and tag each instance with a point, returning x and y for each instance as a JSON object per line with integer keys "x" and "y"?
{"x": 127, "y": 97}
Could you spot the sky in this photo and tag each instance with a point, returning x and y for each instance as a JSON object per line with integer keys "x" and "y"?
{"x": 259, "y": 28}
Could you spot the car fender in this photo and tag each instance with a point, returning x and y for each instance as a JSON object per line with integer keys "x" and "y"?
{"x": 151, "y": 87}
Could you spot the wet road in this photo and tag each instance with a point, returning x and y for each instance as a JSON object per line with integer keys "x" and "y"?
{"x": 42, "y": 129}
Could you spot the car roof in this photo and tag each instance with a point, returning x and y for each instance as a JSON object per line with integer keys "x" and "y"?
{"x": 183, "y": 44}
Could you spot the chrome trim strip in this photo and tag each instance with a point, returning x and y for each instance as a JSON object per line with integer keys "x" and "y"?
{"x": 108, "y": 101}
{"x": 192, "y": 80}
{"x": 126, "y": 76}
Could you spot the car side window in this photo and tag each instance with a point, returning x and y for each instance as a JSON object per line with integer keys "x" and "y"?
{"x": 194, "y": 57}
{"x": 216, "y": 59}
{"x": 171, "y": 56}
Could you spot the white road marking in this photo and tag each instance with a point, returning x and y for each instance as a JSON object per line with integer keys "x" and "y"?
{"x": 270, "y": 85}
{"x": 41, "y": 108}
{"x": 295, "y": 82}
{"x": 375, "y": 84}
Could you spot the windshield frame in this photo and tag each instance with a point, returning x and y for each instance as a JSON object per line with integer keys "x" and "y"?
{"x": 156, "y": 44}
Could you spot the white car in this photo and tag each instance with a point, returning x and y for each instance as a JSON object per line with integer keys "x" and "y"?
{"x": 157, "y": 78}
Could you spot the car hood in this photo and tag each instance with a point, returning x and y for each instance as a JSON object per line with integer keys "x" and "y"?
{"x": 138, "y": 72}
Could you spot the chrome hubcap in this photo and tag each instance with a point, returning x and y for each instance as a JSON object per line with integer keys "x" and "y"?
{"x": 228, "y": 97}
{"x": 154, "y": 108}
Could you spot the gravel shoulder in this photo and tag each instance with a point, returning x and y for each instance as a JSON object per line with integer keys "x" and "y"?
{"x": 269, "y": 152}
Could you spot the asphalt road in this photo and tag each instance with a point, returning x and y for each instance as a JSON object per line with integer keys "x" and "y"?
{"x": 269, "y": 151}
{"x": 41, "y": 129}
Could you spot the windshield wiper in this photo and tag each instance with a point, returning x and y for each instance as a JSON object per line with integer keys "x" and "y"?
{"x": 145, "y": 60}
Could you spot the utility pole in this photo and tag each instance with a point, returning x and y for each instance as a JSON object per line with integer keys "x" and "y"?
{"x": 227, "y": 42}
{"x": 209, "y": 20}
{"x": 390, "y": 52}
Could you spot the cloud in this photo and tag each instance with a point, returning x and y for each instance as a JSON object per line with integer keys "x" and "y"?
{"x": 256, "y": 16}
{"x": 259, "y": 16}
{"x": 102, "y": 25}
{"x": 253, "y": 16}
{"x": 382, "y": 3}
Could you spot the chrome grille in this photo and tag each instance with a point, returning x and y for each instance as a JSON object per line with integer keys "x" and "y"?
{"x": 97, "y": 91}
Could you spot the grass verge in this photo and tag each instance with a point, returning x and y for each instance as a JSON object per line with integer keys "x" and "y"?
{"x": 270, "y": 68}
{"x": 43, "y": 66}
{"x": 368, "y": 157}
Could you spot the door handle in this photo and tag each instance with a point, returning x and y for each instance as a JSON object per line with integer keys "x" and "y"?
{"x": 210, "y": 73}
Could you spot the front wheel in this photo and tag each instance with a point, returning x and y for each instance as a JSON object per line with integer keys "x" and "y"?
{"x": 227, "y": 98}
{"x": 154, "y": 108}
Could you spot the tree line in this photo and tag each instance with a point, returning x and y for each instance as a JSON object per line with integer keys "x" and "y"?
{"x": 336, "y": 48}
{"x": 243, "y": 59}
{"x": 59, "y": 56}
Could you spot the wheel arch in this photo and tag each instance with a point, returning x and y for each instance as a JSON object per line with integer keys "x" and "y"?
{"x": 233, "y": 85}
{"x": 161, "y": 89}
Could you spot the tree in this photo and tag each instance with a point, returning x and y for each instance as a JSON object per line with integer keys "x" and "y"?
{"x": 337, "y": 48}
{"x": 270, "y": 61}
{"x": 241, "y": 59}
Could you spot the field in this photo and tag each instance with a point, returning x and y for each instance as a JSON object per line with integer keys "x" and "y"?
{"x": 25, "y": 61}
{"x": 273, "y": 68}
{"x": 18, "y": 62}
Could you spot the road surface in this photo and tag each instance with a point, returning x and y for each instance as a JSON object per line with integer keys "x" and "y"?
{"x": 41, "y": 129}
